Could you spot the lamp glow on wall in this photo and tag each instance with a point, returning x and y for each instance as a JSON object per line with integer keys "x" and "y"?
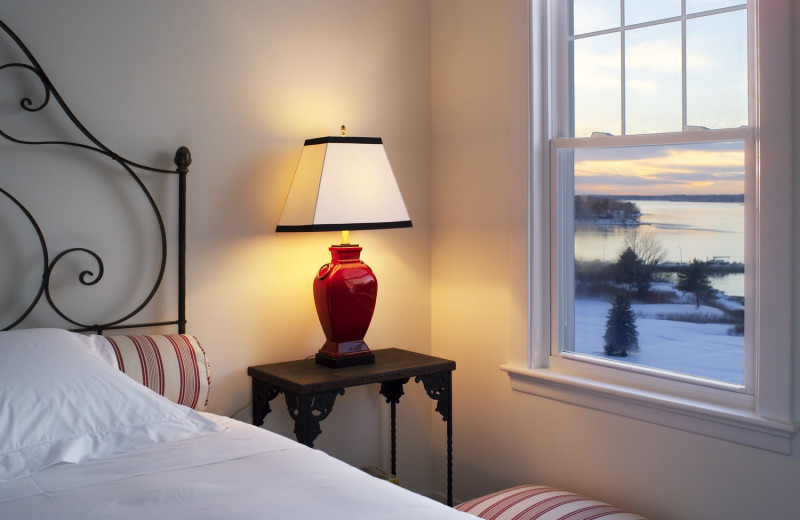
{"x": 342, "y": 184}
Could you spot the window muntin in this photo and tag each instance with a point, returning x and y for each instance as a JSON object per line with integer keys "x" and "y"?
{"x": 697, "y": 6}
{"x": 594, "y": 15}
{"x": 642, "y": 11}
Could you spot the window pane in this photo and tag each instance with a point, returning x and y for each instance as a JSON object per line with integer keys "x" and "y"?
{"x": 716, "y": 70}
{"x": 597, "y": 85}
{"x": 658, "y": 257}
{"x": 640, "y": 11}
{"x": 594, "y": 15}
{"x": 696, "y": 6}
{"x": 653, "y": 71}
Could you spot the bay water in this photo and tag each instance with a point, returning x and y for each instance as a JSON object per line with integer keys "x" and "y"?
{"x": 685, "y": 229}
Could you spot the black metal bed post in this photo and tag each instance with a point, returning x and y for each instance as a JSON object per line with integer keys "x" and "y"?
{"x": 182, "y": 160}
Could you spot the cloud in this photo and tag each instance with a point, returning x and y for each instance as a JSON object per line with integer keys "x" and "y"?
{"x": 709, "y": 168}
{"x": 722, "y": 175}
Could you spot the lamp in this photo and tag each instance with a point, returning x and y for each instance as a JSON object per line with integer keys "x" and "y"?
{"x": 342, "y": 184}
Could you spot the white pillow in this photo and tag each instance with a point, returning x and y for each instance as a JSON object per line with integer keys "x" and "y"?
{"x": 100, "y": 346}
{"x": 60, "y": 402}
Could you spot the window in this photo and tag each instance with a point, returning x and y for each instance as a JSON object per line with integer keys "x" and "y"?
{"x": 649, "y": 234}
{"x": 655, "y": 180}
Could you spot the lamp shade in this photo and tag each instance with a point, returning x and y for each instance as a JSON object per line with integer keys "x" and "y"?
{"x": 343, "y": 183}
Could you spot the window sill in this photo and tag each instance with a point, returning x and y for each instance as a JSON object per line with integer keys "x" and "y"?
{"x": 720, "y": 421}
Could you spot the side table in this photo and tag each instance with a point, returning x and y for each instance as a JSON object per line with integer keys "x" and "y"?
{"x": 310, "y": 390}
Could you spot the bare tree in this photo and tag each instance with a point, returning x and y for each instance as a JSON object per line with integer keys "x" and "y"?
{"x": 636, "y": 263}
{"x": 647, "y": 247}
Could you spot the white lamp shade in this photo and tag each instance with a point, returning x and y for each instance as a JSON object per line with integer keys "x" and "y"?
{"x": 343, "y": 183}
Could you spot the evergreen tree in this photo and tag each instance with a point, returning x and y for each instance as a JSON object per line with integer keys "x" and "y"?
{"x": 621, "y": 336}
{"x": 632, "y": 272}
{"x": 694, "y": 279}
{"x": 638, "y": 261}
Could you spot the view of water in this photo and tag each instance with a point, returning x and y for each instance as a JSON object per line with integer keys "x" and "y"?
{"x": 686, "y": 230}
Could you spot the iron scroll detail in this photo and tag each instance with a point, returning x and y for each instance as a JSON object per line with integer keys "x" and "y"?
{"x": 308, "y": 410}
{"x": 50, "y": 97}
{"x": 438, "y": 386}
{"x": 263, "y": 393}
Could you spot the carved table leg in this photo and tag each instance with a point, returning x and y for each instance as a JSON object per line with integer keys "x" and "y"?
{"x": 263, "y": 393}
{"x": 308, "y": 411}
{"x": 392, "y": 391}
{"x": 439, "y": 387}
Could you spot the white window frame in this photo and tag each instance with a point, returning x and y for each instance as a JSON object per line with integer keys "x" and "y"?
{"x": 764, "y": 415}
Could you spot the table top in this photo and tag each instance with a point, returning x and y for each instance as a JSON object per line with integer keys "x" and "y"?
{"x": 307, "y": 376}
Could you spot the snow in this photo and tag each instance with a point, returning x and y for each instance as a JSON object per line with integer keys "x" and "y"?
{"x": 699, "y": 349}
{"x": 658, "y": 311}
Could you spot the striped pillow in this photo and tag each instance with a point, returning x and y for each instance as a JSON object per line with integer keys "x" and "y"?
{"x": 531, "y": 502}
{"x": 173, "y": 365}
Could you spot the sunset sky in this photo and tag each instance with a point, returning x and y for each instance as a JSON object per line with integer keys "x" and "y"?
{"x": 716, "y": 168}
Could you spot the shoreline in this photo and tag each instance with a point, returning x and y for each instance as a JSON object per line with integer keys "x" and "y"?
{"x": 714, "y": 267}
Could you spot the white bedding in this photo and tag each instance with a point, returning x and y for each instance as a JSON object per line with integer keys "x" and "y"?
{"x": 80, "y": 440}
{"x": 242, "y": 473}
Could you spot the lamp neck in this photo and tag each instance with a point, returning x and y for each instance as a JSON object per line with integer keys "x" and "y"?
{"x": 345, "y": 253}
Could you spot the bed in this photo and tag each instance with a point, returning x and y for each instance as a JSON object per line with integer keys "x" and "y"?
{"x": 102, "y": 409}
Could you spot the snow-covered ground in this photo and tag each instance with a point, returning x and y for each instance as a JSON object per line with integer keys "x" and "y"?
{"x": 699, "y": 349}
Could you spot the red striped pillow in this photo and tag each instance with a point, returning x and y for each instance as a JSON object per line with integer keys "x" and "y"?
{"x": 532, "y": 502}
{"x": 173, "y": 365}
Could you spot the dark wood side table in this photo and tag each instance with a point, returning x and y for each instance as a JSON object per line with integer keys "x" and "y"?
{"x": 310, "y": 390}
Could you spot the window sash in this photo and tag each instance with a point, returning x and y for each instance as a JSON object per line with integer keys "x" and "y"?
{"x": 562, "y": 243}
{"x": 563, "y": 53}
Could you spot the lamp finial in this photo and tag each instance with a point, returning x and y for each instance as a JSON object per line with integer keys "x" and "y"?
{"x": 343, "y": 130}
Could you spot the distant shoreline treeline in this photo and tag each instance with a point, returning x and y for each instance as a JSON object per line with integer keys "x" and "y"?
{"x": 620, "y": 209}
{"x": 679, "y": 198}
{"x": 607, "y": 209}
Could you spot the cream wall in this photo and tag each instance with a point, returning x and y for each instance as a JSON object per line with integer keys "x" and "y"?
{"x": 243, "y": 83}
{"x": 444, "y": 83}
{"x": 478, "y": 292}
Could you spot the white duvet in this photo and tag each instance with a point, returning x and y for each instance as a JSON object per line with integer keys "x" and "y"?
{"x": 242, "y": 473}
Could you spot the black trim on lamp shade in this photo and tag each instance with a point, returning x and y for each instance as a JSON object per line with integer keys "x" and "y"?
{"x": 347, "y": 227}
{"x": 343, "y": 139}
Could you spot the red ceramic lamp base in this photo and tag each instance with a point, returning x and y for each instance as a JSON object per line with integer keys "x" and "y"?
{"x": 345, "y": 291}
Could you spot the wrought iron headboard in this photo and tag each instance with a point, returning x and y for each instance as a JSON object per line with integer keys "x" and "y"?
{"x": 87, "y": 277}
